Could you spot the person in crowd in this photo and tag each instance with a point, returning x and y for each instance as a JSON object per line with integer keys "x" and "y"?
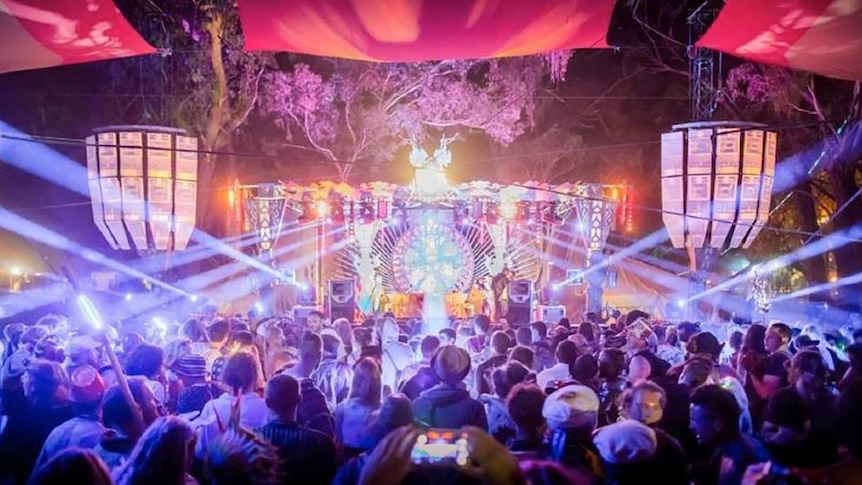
{"x": 72, "y": 465}
{"x": 313, "y": 412}
{"x": 124, "y": 424}
{"x": 524, "y": 407}
{"x": 43, "y": 407}
{"x": 854, "y": 369}
{"x": 612, "y": 364}
{"x": 504, "y": 378}
{"x": 447, "y": 336}
{"x": 789, "y": 436}
{"x": 197, "y": 389}
{"x": 354, "y": 414}
{"x": 669, "y": 349}
{"x": 644, "y": 364}
{"x": 571, "y": 414}
{"x": 715, "y": 422}
{"x": 420, "y": 377}
{"x": 544, "y": 355}
{"x": 163, "y": 455}
{"x": 85, "y": 429}
{"x": 396, "y": 355}
{"x": 449, "y": 405}
{"x": 585, "y": 371}
{"x": 240, "y": 375}
{"x": 333, "y": 375}
{"x": 773, "y": 375}
{"x": 481, "y": 326}
{"x": 565, "y": 356}
{"x": 195, "y": 332}
{"x": 498, "y": 350}
{"x": 148, "y": 361}
{"x": 524, "y": 355}
{"x": 315, "y": 320}
{"x": 808, "y": 377}
{"x": 730, "y": 356}
{"x": 306, "y": 455}
{"x": 217, "y": 333}
{"x": 395, "y": 413}
{"x": 524, "y": 336}
{"x": 645, "y": 403}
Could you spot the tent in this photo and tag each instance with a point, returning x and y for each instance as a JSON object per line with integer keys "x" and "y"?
{"x": 641, "y": 286}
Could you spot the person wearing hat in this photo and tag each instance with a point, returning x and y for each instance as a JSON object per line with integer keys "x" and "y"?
{"x": 448, "y": 404}
{"x": 85, "y": 430}
{"x": 197, "y": 389}
{"x": 571, "y": 414}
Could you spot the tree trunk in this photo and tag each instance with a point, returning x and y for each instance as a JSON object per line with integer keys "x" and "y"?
{"x": 848, "y": 257}
{"x": 814, "y": 268}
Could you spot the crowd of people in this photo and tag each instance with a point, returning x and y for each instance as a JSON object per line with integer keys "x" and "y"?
{"x": 629, "y": 400}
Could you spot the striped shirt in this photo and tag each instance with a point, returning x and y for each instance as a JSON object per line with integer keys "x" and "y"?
{"x": 307, "y": 456}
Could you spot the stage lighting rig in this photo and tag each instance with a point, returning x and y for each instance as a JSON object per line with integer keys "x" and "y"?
{"x": 399, "y": 210}
{"x": 462, "y": 212}
{"x": 492, "y": 213}
{"x": 366, "y": 208}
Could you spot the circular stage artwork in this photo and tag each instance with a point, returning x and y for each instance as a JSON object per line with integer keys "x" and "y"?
{"x": 433, "y": 259}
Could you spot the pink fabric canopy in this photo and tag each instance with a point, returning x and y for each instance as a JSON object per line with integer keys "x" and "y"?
{"x": 819, "y": 36}
{"x": 44, "y": 33}
{"x": 418, "y": 30}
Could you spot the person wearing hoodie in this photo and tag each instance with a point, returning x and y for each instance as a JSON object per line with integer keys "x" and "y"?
{"x": 423, "y": 378}
{"x": 124, "y": 429}
{"x": 500, "y": 424}
{"x": 449, "y": 405}
{"x": 396, "y": 355}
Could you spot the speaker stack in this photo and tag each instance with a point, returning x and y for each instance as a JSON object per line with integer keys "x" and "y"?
{"x": 520, "y": 302}
{"x": 342, "y": 300}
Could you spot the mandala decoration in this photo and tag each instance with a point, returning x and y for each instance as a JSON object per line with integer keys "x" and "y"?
{"x": 433, "y": 259}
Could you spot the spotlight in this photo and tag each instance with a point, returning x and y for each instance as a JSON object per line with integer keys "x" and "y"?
{"x": 128, "y": 297}
{"x": 258, "y": 308}
{"x": 193, "y": 298}
{"x": 303, "y": 287}
{"x": 16, "y": 271}
{"x": 322, "y": 209}
{"x": 555, "y": 286}
{"x": 681, "y": 303}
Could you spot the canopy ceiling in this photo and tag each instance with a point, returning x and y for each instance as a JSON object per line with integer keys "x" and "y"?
{"x": 819, "y": 36}
{"x": 419, "y": 30}
{"x": 45, "y": 33}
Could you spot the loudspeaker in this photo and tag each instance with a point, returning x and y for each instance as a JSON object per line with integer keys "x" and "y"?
{"x": 551, "y": 314}
{"x": 520, "y": 302}
{"x": 342, "y": 300}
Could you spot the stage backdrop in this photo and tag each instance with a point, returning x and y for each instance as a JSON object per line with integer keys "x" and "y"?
{"x": 820, "y": 36}
{"x": 419, "y": 30}
{"x": 45, "y": 33}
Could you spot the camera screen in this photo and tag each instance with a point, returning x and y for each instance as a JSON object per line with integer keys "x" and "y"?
{"x": 440, "y": 447}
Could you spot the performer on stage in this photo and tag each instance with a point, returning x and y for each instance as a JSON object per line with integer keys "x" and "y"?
{"x": 499, "y": 285}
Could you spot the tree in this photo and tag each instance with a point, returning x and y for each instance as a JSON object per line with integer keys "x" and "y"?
{"x": 357, "y": 114}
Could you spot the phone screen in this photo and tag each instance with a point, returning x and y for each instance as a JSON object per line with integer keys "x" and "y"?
{"x": 441, "y": 447}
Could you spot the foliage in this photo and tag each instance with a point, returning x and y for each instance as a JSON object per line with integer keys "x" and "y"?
{"x": 359, "y": 113}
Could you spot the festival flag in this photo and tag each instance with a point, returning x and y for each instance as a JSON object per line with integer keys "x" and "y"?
{"x": 420, "y": 30}
{"x": 43, "y": 33}
{"x": 819, "y": 36}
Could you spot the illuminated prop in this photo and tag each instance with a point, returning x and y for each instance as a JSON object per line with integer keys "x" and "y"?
{"x": 143, "y": 186}
{"x": 595, "y": 212}
{"x": 46, "y": 33}
{"x": 760, "y": 293}
{"x": 265, "y": 208}
{"x": 702, "y": 167}
{"x": 820, "y": 36}
{"x": 433, "y": 259}
{"x": 409, "y": 30}
{"x": 430, "y": 178}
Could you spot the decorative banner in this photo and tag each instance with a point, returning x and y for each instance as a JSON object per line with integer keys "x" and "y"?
{"x": 595, "y": 215}
{"x": 266, "y": 211}
{"x": 43, "y": 33}
{"x": 420, "y": 30}
{"x": 820, "y": 36}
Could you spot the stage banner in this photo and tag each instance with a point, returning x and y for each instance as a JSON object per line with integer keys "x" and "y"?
{"x": 35, "y": 34}
{"x": 819, "y": 36}
{"x": 421, "y": 30}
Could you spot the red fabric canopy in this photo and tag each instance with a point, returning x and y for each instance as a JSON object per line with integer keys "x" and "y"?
{"x": 44, "y": 33}
{"x": 418, "y": 30}
{"x": 819, "y": 36}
